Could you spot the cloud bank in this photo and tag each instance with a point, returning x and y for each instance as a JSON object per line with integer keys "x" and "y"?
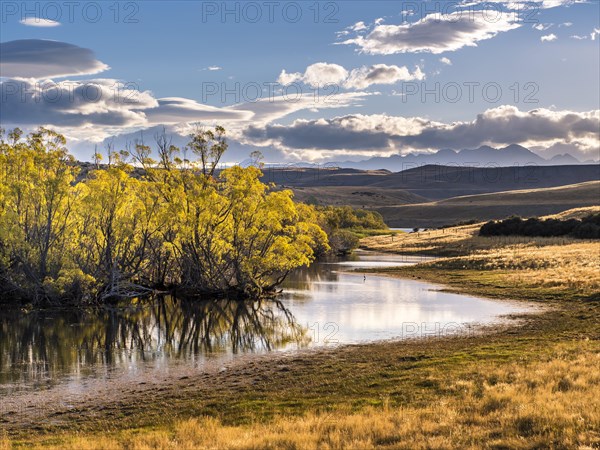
{"x": 384, "y": 135}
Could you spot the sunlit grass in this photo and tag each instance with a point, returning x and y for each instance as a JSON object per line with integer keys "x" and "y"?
{"x": 464, "y": 240}
{"x": 572, "y": 265}
{"x": 559, "y": 264}
{"x": 526, "y": 267}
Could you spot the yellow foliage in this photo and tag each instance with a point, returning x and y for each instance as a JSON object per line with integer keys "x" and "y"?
{"x": 119, "y": 235}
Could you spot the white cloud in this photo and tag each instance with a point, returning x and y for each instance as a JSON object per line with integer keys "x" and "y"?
{"x": 446, "y": 61}
{"x": 267, "y": 110}
{"x": 175, "y": 110}
{"x": 318, "y": 74}
{"x": 549, "y": 38}
{"x": 213, "y": 68}
{"x": 547, "y": 4}
{"x": 321, "y": 74}
{"x": 530, "y": 5}
{"x": 358, "y": 26}
{"x": 38, "y": 22}
{"x": 594, "y": 34}
{"x": 286, "y": 78}
{"x": 434, "y": 33}
{"x": 543, "y": 26}
{"x": 578, "y": 37}
{"x": 41, "y": 59}
{"x": 381, "y": 74}
{"x": 91, "y": 110}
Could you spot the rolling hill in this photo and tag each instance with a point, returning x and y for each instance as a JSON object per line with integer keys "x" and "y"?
{"x": 481, "y": 207}
{"x": 440, "y": 182}
{"x": 357, "y": 197}
{"x": 431, "y": 182}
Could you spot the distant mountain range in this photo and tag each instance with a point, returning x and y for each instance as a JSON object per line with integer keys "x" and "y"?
{"x": 484, "y": 156}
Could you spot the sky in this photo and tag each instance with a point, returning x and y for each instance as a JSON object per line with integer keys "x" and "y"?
{"x": 307, "y": 81}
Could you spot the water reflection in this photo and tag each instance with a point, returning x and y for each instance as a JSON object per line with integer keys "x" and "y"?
{"x": 323, "y": 304}
{"x": 41, "y": 346}
{"x": 342, "y": 306}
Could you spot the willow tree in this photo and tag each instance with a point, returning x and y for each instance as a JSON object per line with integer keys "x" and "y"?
{"x": 229, "y": 232}
{"x": 36, "y": 177}
{"x": 116, "y": 222}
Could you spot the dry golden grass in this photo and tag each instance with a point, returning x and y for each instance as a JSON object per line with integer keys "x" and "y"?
{"x": 464, "y": 240}
{"x": 554, "y": 263}
{"x": 576, "y": 213}
{"x": 456, "y": 241}
{"x": 427, "y": 242}
{"x": 550, "y": 403}
{"x": 573, "y": 265}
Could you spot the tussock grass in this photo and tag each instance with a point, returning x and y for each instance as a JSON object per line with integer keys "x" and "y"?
{"x": 573, "y": 265}
{"x": 558, "y": 265}
{"x": 456, "y": 241}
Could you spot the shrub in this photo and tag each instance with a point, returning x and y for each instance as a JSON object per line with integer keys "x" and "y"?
{"x": 343, "y": 241}
{"x": 586, "y": 228}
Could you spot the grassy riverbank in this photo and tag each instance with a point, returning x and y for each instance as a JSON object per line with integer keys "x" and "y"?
{"x": 529, "y": 386}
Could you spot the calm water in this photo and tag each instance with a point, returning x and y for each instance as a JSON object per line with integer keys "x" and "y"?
{"x": 321, "y": 305}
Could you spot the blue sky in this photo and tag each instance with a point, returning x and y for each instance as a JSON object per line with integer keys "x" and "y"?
{"x": 365, "y": 59}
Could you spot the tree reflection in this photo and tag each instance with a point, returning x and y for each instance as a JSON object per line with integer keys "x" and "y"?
{"x": 326, "y": 270}
{"x": 44, "y": 345}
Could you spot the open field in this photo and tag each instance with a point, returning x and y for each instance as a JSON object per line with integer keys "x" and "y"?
{"x": 531, "y": 268}
{"x": 528, "y": 386}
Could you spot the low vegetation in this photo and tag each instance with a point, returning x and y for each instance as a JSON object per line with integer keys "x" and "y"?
{"x": 574, "y": 266}
{"x": 531, "y": 266}
{"x": 345, "y": 226}
{"x": 465, "y": 239}
{"x": 345, "y": 217}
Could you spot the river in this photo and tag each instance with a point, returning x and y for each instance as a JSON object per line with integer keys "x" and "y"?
{"x": 329, "y": 303}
